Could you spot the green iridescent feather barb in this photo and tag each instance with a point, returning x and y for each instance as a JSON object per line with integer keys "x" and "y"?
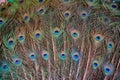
{"x": 59, "y": 39}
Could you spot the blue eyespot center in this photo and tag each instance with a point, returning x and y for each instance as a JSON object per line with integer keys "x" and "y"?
{"x": 66, "y": 0}
{"x": 95, "y": 64}
{"x": 63, "y": 55}
{"x": 1, "y": 21}
{"x": 67, "y": 14}
{"x": 84, "y": 14}
{"x": 37, "y": 35}
{"x": 11, "y": 42}
{"x": 109, "y": 45}
{"x": 26, "y": 17}
{"x": 76, "y": 56}
{"x": 32, "y": 56}
{"x": 74, "y": 34}
{"x": 5, "y": 67}
{"x": 40, "y": 0}
{"x": 97, "y": 38}
{"x": 56, "y": 32}
{"x": 21, "y": 38}
{"x": 91, "y": 0}
{"x": 41, "y": 10}
{"x": 45, "y": 55}
{"x": 17, "y": 62}
{"x": 107, "y": 70}
{"x": 114, "y": 6}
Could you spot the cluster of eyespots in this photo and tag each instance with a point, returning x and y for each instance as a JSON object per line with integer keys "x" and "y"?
{"x": 37, "y": 34}
{"x": 75, "y": 34}
{"x": 32, "y": 56}
{"x": 108, "y": 69}
{"x": 4, "y": 67}
{"x": 45, "y": 55}
{"x": 76, "y": 55}
{"x": 17, "y": 61}
{"x": 62, "y": 55}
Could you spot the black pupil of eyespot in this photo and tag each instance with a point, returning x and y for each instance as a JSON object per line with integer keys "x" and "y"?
{"x": 21, "y": 37}
{"x": 107, "y": 69}
{"x": 66, "y": 0}
{"x": 114, "y": 6}
{"x": 1, "y": 21}
{"x": 75, "y": 34}
{"x": 32, "y": 55}
{"x": 63, "y": 54}
{"x": 40, "y": 0}
{"x": 45, "y": 54}
{"x": 5, "y": 66}
{"x": 95, "y": 64}
{"x": 37, "y": 35}
{"x": 10, "y": 42}
{"x": 56, "y": 31}
{"x": 91, "y": 0}
{"x": 76, "y": 56}
{"x": 26, "y": 17}
{"x": 66, "y": 14}
{"x": 17, "y": 61}
{"x": 110, "y": 44}
{"x": 2, "y": 9}
{"x": 83, "y": 14}
{"x": 98, "y": 37}
{"x": 21, "y": 1}
{"x": 41, "y": 10}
